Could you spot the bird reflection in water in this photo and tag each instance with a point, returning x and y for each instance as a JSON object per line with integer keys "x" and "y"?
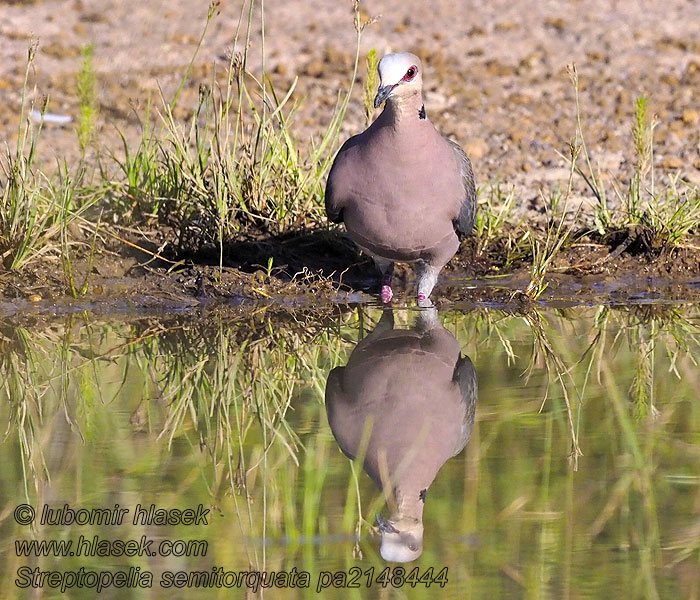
{"x": 411, "y": 395}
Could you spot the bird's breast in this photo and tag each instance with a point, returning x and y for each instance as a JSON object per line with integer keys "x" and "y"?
{"x": 406, "y": 214}
{"x": 403, "y": 190}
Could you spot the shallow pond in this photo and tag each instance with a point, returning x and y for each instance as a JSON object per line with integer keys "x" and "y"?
{"x": 549, "y": 454}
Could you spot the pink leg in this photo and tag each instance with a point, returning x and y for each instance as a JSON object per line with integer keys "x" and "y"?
{"x": 424, "y": 301}
{"x": 387, "y": 292}
{"x": 427, "y": 278}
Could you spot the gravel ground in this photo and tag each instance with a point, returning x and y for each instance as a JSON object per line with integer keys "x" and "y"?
{"x": 495, "y": 71}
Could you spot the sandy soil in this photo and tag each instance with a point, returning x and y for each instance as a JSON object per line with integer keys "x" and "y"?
{"x": 496, "y": 71}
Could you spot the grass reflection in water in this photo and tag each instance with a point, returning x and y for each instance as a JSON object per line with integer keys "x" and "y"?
{"x": 580, "y": 477}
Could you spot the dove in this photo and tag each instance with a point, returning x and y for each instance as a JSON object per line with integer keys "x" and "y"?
{"x": 404, "y": 192}
{"x": 406, "y": 399}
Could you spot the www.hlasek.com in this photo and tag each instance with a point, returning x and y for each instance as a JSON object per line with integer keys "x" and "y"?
{"x": 101, "y": 547}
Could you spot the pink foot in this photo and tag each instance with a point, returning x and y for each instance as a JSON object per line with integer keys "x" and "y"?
{"x": 424, "y": 301}
{"x": 387, "y": 294}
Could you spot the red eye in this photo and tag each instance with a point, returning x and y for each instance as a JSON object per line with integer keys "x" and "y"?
{"x": 411, "y": 73}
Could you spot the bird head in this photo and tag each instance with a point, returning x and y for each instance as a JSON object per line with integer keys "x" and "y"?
{"x": 402, "y": 538}
{"x": 400, "y": 76}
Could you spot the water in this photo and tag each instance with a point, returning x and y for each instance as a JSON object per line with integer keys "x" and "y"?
{"x": 549, "y": 454}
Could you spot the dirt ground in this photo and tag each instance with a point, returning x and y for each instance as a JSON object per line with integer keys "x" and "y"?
{"x": 496, "y": 79}
{"x": 495, "y": 71}
{"x": 583, "y": 274}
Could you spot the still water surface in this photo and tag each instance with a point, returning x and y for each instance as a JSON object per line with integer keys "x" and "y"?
{"x": 551, "y": 454}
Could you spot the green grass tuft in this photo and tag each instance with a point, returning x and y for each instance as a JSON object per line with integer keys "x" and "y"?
{"x": 371, "y": 84}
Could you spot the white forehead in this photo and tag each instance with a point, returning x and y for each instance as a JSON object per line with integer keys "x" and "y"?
{"x": 397, "y": 551}
{"x": 393, "y": 67}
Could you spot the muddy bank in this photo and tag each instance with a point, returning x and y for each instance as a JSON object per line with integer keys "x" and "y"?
{"x": 322, "y": 269}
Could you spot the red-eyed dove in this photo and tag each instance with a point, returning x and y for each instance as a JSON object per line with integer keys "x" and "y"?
{"x": 408, "y": 398}
{"x": 404, "y": 191}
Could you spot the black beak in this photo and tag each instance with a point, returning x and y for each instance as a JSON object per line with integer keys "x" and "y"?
{"x": 382, "y": 523}
{"x": 382, "y": 94}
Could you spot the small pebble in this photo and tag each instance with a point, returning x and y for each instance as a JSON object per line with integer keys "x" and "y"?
{"x": 690, "y": 116}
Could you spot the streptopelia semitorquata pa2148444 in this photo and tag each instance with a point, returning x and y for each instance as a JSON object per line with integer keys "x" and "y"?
{"x": 404, "y": 192}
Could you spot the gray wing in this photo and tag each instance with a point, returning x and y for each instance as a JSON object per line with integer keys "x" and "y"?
{"x": 465, "y": 378}
{"x": 467, "y": 210}
{"x": 335, "y": 398}
{"x": 334, "y": 197}
{"x": 334, "y": 209}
